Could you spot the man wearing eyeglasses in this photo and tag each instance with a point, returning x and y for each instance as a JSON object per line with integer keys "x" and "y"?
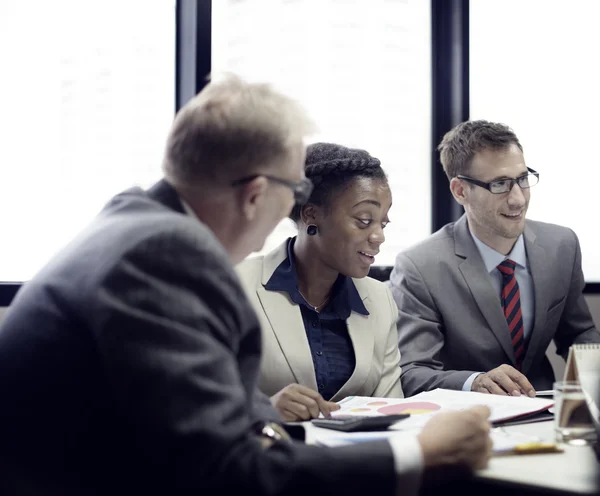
{"x": 481, "y": 299}
{"x": 129, "y": 364}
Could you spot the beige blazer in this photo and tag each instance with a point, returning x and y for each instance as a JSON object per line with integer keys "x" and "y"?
{"x": 286, "y": 356}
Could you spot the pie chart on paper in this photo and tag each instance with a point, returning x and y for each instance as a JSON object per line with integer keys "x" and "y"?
{"x": 414, "y": 408}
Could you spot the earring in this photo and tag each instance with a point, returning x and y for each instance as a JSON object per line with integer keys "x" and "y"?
{"x": 311, "y": 229}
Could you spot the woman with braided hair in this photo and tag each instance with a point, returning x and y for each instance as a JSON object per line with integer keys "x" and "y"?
{"x": 329, "y": 331}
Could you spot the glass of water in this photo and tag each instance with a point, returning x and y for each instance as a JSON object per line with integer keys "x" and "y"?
{"x": 572, "y": 420}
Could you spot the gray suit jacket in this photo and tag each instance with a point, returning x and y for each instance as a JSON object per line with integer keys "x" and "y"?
{"x": 286, "y": 353}
{"x": 451, "y": 322}
{"x": 128, "y": 365}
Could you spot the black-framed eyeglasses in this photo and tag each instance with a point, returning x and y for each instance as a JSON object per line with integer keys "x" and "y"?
{"x": 505, "y": 185}
{"x": 302, "y": 189}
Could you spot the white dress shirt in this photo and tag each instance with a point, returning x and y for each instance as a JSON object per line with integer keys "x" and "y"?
{"x": 408, "y": 461}
{"x": 187, "y": 208}
{"x": 408, "y": 456}
{"x": 491, "y": 259}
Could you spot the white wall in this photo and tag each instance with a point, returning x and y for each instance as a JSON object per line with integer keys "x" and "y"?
{"x": 557, "y": 363}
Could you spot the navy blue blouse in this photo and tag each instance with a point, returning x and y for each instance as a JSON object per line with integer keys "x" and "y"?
{"x": 327, "y": 333}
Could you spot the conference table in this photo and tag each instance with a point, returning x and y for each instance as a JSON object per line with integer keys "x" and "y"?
{"x": 574, "y": 471}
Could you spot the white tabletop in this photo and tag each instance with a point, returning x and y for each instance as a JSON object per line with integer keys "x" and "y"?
{"x": 575, "y": 470}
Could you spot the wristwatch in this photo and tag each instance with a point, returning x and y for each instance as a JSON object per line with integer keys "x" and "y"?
{"x": 270, "y": 433}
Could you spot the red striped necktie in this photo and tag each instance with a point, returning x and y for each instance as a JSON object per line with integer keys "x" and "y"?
{"x": 511, "y": 305}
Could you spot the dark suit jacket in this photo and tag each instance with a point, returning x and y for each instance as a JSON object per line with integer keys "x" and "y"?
{"x": 128, "y": 365}
{"x": 451, "y": 322}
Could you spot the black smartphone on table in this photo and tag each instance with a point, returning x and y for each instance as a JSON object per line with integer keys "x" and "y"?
{"x": 354, "y": 423}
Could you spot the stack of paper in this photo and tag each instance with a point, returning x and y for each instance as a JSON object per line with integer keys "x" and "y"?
{"x": 425, "y": 405}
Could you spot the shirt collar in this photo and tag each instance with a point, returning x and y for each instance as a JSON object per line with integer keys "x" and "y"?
{"x": 345, "y": 298}
{"x": 187, "y": 208}
{"x": 492, "y": 258}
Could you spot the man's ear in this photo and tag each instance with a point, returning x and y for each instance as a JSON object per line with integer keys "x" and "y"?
{"x": 309, "y": 214}
{"x": 251, "y": 197}
{"x": 459, "y": 190}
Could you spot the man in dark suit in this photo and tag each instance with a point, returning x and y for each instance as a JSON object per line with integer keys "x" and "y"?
{"x": 129, "y": 363}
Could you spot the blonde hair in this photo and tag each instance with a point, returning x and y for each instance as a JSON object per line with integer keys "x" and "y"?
{"x": 231, "y": 129}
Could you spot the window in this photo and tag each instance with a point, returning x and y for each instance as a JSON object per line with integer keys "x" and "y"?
{"x": 363, "y": 71}
{"x": 534, "y": 67}
{"x": 87, "y": 98}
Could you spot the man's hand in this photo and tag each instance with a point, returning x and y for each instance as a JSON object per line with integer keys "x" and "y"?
{"x": 458, "y": 439}
{"x": 504, "y": 380}
{"x": 296, "y": 402}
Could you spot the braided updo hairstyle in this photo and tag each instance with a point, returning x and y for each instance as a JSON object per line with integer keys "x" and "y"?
{"x": 332, "y": 168}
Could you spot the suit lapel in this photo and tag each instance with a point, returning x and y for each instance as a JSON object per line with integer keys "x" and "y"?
{"x": 538, "y": 266}
{"x": 363, "y": 342}
{"x": 286, "y": 321}
{"x": 480, "y": 284}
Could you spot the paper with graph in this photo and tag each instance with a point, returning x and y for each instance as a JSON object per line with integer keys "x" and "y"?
{"x": 425, "y": 405}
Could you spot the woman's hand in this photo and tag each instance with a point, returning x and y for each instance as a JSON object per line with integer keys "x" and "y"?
{"x": 295, "y": 402}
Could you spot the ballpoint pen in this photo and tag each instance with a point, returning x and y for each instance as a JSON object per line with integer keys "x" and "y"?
{"x": 530, "y": 449}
